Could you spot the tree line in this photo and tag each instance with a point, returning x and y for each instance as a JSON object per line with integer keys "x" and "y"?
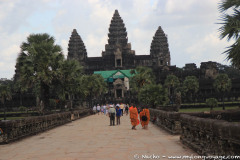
{"x": 144, "y": 86}
{"x": 42, "y": 69}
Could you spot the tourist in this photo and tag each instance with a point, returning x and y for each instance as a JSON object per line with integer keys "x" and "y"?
{"x": 144, "y": 117}
{"x": 112, "y": 113}
{"x": 134, "y": 117}
{"x": 126, "y": 109}
{"x": 107, "y": 108}
{"x": 101, "y": 109}
{"x": 118, "y": 114}
{"x": 104, "y": 109}
{"x": 98, "y": 108}
{"x": 94, "y": 109}
{"x": 117, "y": 105}
{"x": 121, "y": 107}
{"x": 138, "y": 109}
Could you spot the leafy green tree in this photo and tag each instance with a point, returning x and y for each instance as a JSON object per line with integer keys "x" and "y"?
{"x": 212, "y": 102}
{"x": 171, "y": 82}
{"x": 190, "y": 87}
{"x": 143, "y": 76}
{"x": 69, "y": 82}
{"x": 5, "y": 94}
{"x": 230, "y": 28}
{"x": 93, "y": 86}
{"x": 153, "y": 95}
{"x": 231, "y": 71}
{"x": 222, "y": 84}
{"x": 40, "y": 65}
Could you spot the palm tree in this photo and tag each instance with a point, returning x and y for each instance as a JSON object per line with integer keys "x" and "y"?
{"x": 212, "y": 102}
{"x": 5, "y": 94}
{"x": 142, "y": 76}
{"x": 171, "y": 82}
{"x": 190, "y": 87}
{"x": 69, "y": 82}
{"x": 230, "y": 29}
{"x": 222, "y": 84}
{"x": 40, "y": 65}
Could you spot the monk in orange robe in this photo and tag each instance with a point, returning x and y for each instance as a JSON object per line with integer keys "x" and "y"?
{"x": 130, "y": 108}
{"x": 134, "y": 117}
{"x": 145, "y": 112}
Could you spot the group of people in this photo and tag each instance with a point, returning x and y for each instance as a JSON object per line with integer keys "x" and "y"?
{"x": 103, "y": 109}
{"x": 116, "y": 111}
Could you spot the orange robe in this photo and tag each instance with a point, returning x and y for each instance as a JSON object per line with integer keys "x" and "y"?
{"x": 144, "y": 112}
{"x": 130, "y": 108}
{"x": 134, "y": 116}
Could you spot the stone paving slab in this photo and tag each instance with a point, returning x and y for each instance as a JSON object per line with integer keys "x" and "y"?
{"x": 91, "y": 138}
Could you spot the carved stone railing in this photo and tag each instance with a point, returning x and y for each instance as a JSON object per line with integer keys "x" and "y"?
{"x": 17, "y": 129}
{"x": 210, "y": 136}
{"x": 166, "y": 120}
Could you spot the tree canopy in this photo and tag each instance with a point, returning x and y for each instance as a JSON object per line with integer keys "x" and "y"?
{"x": 153, "y": 95}
{"x": 190, "y": 86}
{"x": 222, "y": 84}
{"x": 142, "y": 77}
{"x": 231, "y": 28}
{"x": 41, "y": 59}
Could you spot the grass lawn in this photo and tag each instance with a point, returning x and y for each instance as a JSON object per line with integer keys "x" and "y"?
{"x": 205, "y": 109}
{"x": 203, "y": 103}
{"x": 19, "y": 112}
{"x": 12, "y": 118}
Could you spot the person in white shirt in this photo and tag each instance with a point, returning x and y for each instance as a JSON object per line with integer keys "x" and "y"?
{"x": 112, "y": 113}
{"x": 98, "y": 108}
{"x": 94, "y": 109}
{"x": 104, "y": 109}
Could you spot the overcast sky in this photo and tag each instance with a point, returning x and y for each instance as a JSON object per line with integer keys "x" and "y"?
{"x": 191, "y": 26}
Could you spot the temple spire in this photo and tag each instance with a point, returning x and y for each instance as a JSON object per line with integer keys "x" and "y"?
{"x": 76, "y": 47}
{"x": 117, "y": 31}
{"x": 159, "y": 47}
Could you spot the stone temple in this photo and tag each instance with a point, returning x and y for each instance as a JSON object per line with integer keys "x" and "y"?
{"x": 118, "y": 54}
{"x": 119, "y": 58}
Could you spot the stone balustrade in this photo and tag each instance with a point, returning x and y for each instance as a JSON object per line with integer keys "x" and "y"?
{"x": 17, "y": 129}
{"x": 166, "y": 120}
{"x": 210, "y": 136}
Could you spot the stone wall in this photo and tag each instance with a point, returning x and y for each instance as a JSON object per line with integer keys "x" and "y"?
{"x": 210, "y": 136}
{"x": 166, "y": 120}
{"x": 17, "y": 129}
{"x": 216, "y": 133}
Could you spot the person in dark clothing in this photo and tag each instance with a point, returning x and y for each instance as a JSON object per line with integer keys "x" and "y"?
{"x": 118, "y": 114}
{"x": 126, "y": 109}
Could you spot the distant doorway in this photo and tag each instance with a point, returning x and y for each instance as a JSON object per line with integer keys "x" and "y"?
{"x": 119, "y": 64}
{"x": 119, "y": 93}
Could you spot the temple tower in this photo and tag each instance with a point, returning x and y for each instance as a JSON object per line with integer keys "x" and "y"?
{"x": 159, "y": 49}
{"x": 76, "y": 48}
{"x": 118, "y": 53}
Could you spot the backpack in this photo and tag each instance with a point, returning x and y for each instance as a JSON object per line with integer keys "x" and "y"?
{"x": 144, "y": 117}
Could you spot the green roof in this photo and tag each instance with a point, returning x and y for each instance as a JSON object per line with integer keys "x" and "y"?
{"x": 114, "y": 74}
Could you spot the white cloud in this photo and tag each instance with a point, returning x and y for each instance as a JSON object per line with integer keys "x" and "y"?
{"x": 209, "y": 44}
{"x": 10, "y": 45}
{"x": 176, "y": 6}
{"x": 190, "y": 25}
{"x": 97, "y": 42}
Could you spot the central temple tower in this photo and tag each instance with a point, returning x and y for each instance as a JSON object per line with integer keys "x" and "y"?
{"x": 118, "y": 53}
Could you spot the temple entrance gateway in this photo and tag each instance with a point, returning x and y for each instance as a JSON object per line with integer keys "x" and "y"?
{"x": 118, "y": 83}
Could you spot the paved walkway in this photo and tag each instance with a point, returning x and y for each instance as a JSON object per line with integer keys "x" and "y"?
{"x": 91, "y": 138}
